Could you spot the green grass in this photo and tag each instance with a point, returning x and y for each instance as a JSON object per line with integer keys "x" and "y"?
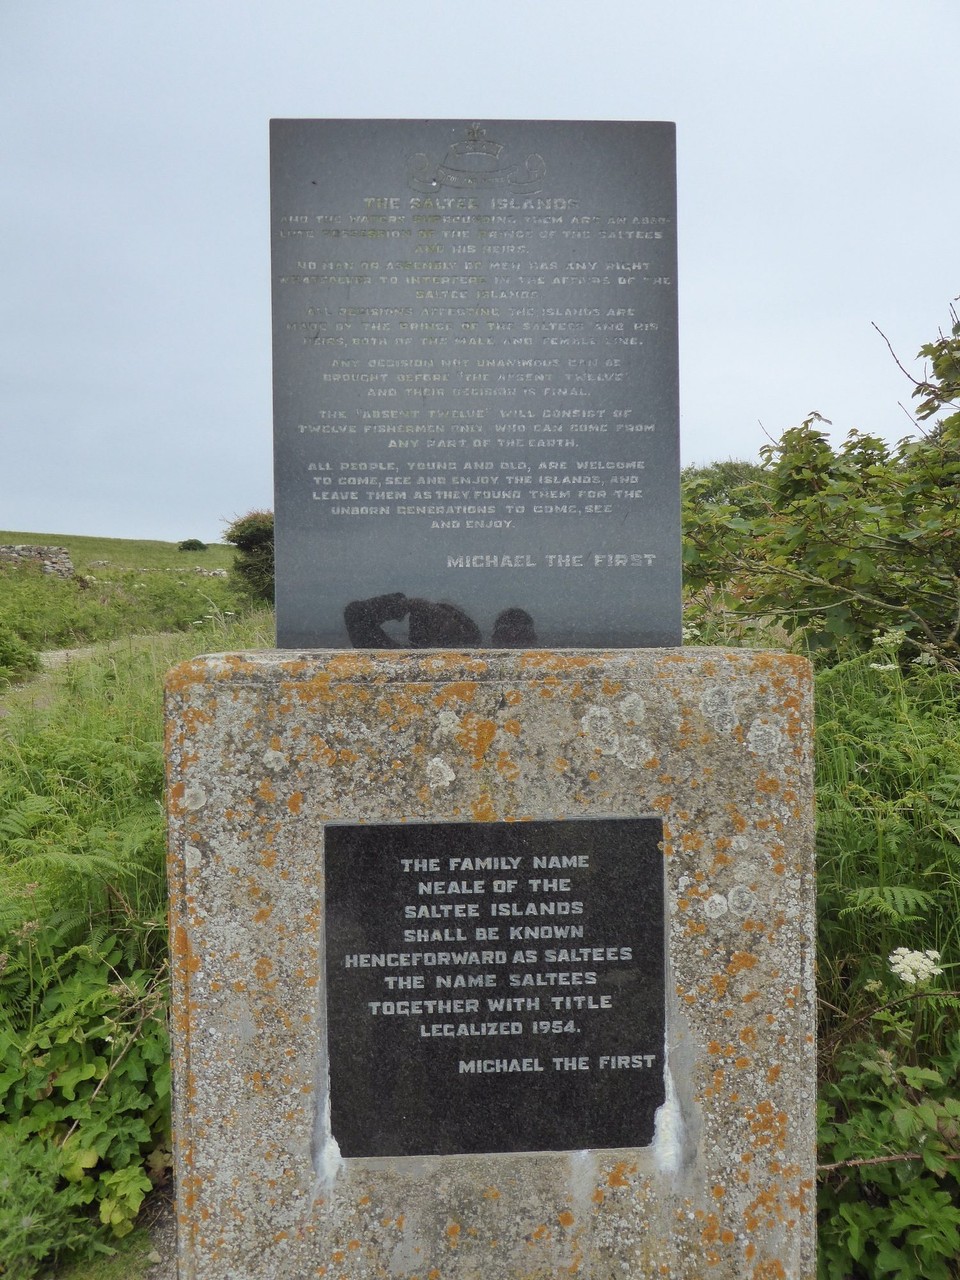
{"x": 125, "y": 553}
{"x": 131, "y": 1261}
{"x": 122, "y": 587}
{"x": 84, "y": 1071}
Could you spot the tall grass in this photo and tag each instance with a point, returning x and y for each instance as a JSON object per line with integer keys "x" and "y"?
{"x": 45, "y": 612}
{"x": 888, "y": 822}
{"x": 84, "y": 1074}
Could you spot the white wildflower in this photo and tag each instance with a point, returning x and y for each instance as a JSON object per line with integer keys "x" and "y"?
{"x": 883, "y": 666}
{"x": 914, "y": 967}
{"x": 925, "y": 660}
{"x": 891, "y": 639}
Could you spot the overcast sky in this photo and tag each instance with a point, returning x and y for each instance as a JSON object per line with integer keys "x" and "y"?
{"x": 818, "y": 191}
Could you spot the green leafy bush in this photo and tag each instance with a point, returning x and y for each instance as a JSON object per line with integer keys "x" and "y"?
{"x": 42, "y": 1216}
{"x": 191, "y": 544}
{"x": 889, "y": 1133}
{"x": 842, "y": 544}
{"x": 253, "y": 565}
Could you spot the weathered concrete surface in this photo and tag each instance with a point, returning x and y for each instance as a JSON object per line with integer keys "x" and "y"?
{"x": 264, "y": 748}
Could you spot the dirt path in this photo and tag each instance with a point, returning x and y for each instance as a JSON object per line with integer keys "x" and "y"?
{"x": 38, "y": 690}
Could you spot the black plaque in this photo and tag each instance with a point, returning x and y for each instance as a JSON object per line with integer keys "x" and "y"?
{"x": 493, "y": 986}
{"x": 475, "y": 383}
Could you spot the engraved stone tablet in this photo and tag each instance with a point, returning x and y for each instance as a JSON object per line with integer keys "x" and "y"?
{"x": 475, "y": 383}
{"x": 494, "y": 987}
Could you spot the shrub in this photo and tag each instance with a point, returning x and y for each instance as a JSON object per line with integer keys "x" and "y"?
{"x": 253, "y": 565}
{"x": 843, "y": 544}
{"x": 889, "y": 1135}
{"x": 191, "y": 544}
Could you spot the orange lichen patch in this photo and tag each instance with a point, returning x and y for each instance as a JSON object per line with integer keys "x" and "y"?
{"x": 266, "y": 791}
{"x": 561, "y": 765}
{"x": 617, "y": 1176}
{"x": 715, "y": 1089}
{"x": 457, "y": 691}
{"x": 742, "y": 1063}
{"x": 267, "y": 858}
{"x": 194, "y": 718}
{"x": 482, "y": 808}
{"x": 433, "y": 1274}
{"x": 769, "y": 1127}
{"x": 295, "y": 802}
{"x": 741, "y": 960}
{"x": 263, "y": 968}
{"x": 610, "y": 687}
{"x": 772, "y": 1270}
{"x": 552, "y": 660}
{"x": 748, "y": 1036}
{"x": 773, "y": 1073}
{"x": 512, "y": 727}
{"x": 491, "y": 1193}
{"x": 598, "y": 1196}
{"x": 549, "y": 686}
{"x": 539, "y": 1233}
{"x": 453, "y": 1234}
{"x": 663, "y": 804}
{"x": 263, "y": 914}
{"x": 476, "y": 736}
{"x": 323, "y": 753}
{"x": 690, "y": 842}
{"x": 353, "y": 1245}
{"x": 507, "y": 767}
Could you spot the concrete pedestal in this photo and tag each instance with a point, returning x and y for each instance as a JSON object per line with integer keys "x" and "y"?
{"x": 266, "y": 749}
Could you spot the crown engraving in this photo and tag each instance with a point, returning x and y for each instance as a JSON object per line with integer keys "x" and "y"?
{"x": 477, "y": 163}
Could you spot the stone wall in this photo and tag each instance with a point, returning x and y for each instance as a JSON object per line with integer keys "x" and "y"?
{"x": 54, "y": 560}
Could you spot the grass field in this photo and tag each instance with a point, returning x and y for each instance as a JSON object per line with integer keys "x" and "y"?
{"x": 123, "y": 553}
{"x": 122, "y": 587}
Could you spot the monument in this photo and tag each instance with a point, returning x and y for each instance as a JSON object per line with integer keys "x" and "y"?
{"x": 492, "y": 951}
{"x": 475, "y": 355}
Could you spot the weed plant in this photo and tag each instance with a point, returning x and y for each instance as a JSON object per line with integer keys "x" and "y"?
{"x": 888, "y": 859}
{"x": 84, "y": 1063}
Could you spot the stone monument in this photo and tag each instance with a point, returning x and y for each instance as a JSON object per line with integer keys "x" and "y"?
{"x": 490, "y": 960}
{"x": 475, "y": 357}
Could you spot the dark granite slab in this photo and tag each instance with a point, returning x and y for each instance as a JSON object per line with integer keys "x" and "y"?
{"x": 475, "y": 373}
{"x": 494, "y": 986}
